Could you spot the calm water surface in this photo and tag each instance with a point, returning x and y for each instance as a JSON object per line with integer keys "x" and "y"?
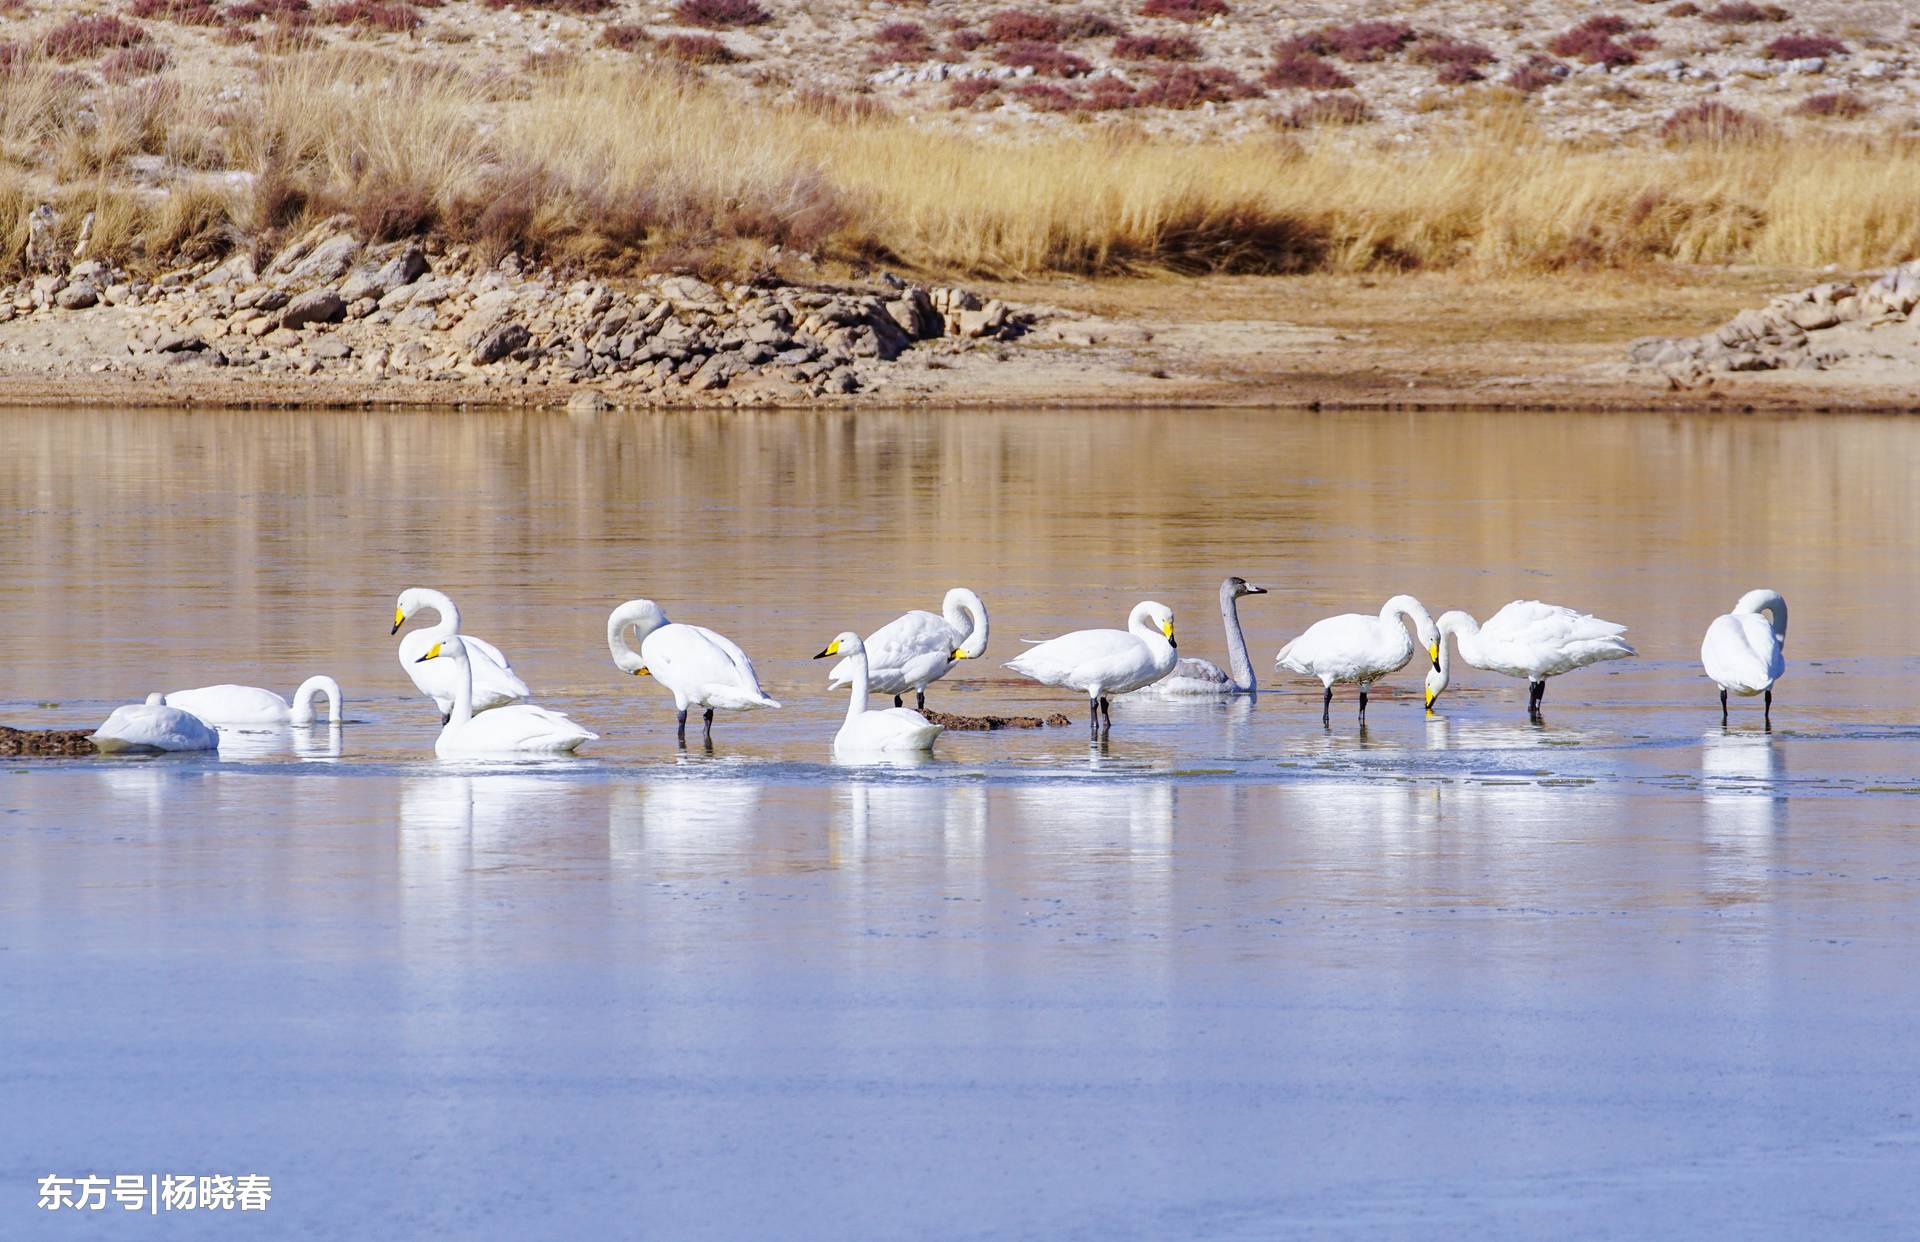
{"x": 1621, "y": 973}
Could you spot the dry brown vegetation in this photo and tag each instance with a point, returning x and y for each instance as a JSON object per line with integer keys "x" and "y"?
{"x": 614, "y": 168}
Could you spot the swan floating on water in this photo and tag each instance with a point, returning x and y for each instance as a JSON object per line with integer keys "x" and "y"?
{"x": 1356, "y": 649}
{"x": 700, "y": 667}
{"x": 918, "y": 648}
{"x": 1526, "y": 639}
{"x": 494, "y": 681}
{"x": 513, "y": 728}
{"x": 1103, "y": 663}
{"x": 241, "y": 706}
{"x": 153, "y": 728}
{"x": 866, "y": 731}
{"x": 1742, "y": 651}
{"x": 1194, "y": 677}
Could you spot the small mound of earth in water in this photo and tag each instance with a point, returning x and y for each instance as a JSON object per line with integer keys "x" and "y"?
{"x": 981, "y": 724}
{"x": 46, "y": 743}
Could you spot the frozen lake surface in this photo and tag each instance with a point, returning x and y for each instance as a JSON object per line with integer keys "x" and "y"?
{"x": 1621, "y": 973}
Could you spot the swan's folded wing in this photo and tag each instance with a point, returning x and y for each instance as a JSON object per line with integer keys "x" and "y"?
{"x": 1739, "y": 653}
{"x": 1083, "y": 657}
{"x": 737, "y": 672}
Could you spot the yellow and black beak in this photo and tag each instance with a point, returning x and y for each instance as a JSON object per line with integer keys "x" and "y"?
{"x": 432, "y": 652}
{"x": 1431, "y": 696}
{"x": 641, "y": 671}
{"x": 959, "y": 653}
{"x": 1166, "y": 627}
{"x": 399, "y": 619}
{"x": 1433, "y": 653}
{"x": 833, "y": 648}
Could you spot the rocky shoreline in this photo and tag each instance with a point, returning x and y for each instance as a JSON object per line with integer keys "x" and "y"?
{"x": 330, "y": 305}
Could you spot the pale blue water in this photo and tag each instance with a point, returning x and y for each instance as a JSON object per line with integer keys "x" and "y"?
{"x": 1621, "y": 974}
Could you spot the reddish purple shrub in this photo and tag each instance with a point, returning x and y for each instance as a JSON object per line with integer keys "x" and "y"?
{"x": 1640, "y": 41}
{"x": 1592, "y": 41}
{"x": 372, "y": 15}
{"x": 1086, "y": 24}
{"x": 1046, "y": 97}
{"x": 1366, "y": 42}
{"x": 1743, "y": 14}
{"x": 1458, "y": 73}
{"x": 1045, "y": 59}
{"x": 1538, "y": 73}
{"x": 1016, "y": 26}
{"x": 698, "y": 50}
{"x": 180, "y": 12}
{"x": 714, "y": 14}
{"x": 901, "y": 43}
{"x": 964, "y": 41}
{"x": 553, "y": 6}
{"x": 1156, "y": 47}
{"x": 1686, "y": 8}
{"x": 625, "y": 38}
{"x": 11, "y": 57}
{"x": 1439, "y": 52}
{"x": 81, "y": 37}
{"x": 1713, "y": 122}
{"x": 1306, "y": 43}
{"x": 1328, "y": 110}
{"x": 1305, "y": 73}
{"x": 292, "y": 12}
{"x": 1110, "y": 95}
{"x": 1185, "y": 10}
{"x": 1189, "y": 86}
{"x": 969, "y": 92}
{"x": 1804, "y": 47}
{"x": 1834, "y": 105}
{"x": 133, "y": 62}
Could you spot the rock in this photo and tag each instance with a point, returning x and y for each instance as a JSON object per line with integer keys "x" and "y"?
{"x": 408, "y": 354}
{"x": 236, "y": 269}
{"x": 329, "y": 348}
{"x": 984, "y": 322}
{"x": 77, "y": 296}
{"x": 179, "y": 343}
{"x": 498, "y": 342}
{"x": 376, "y": 282}
{"x": 281, "y": 338}
{"x": 1814, "y": 316}
{"x": 43, "y": 250}
{"x": 415, "y": 317}
{"x": 362, "y": 308}
{"x": 298, "y": 251}
{"x": 588, "y": 402}
{"x": 316, "y": 306}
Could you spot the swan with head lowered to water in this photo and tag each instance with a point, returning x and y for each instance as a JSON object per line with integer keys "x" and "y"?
{"x": 701, "y": 668}
{"x": 241, "y": 706}
{"x": 918, "y": 648}
{"x": 153, "y": 728}
{"x": 1103, "y": 663}
{"x": 510, "y": 729}
{"x": 1356, "y": 649}
{"x": 1742, "y": 649}
{"x": 494, "y": 681}
{"x": 1526, "y": 639}
{"x": 866, "y": 731}
{"x": 1194, "y": 677}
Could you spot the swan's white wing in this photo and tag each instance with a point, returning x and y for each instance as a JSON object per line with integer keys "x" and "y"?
{"x": 1530, "y": 639}
{"x": 702, "y": 667}
{"x": 514, "y": 728}
{"x": 1111, "y": 661}
{"x": 906, "y": 652}
{"x": 494, "y": 683}
{"x": 232, "y": 705}
{"x": 1347, "y": 648}
{"x": 892, "y": 729}
{"x": 1740, "y": 653}
{"x": 142, "y": 727}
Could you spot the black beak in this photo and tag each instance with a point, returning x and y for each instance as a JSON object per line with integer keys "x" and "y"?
{"x": 395, "y": 629}
{"x": 823, "y": 655}
{"x": 1173, "y": 643}
{"x": 1254, "y": 590}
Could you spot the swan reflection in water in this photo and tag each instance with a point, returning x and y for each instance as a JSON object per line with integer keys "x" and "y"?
{"x": 1745, "y": 809}
{"x": 915, "y": 817}
{"x": 311, "y": 743}
{"x": 452, "y": 823}
{"x": 682, "y": 821}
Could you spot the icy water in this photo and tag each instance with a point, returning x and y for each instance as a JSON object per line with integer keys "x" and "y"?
{"x": 1621, "y": 973}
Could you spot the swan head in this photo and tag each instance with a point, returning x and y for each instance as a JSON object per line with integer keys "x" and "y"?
{"x": 1154, "y": 616}
{"x": 1236, "y": 587}
{"x": 1437, "y": 681}
{"x": 447, "y": 648}
{"x": 413, "y": 599}
{"x": 847, "y": 644}
{"x": 156, "y": 699}
{"x": 637, "y": 614}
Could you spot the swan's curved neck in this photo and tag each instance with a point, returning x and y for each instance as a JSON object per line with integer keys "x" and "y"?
{"x": 1240, "y": 666}
{"x": 462, "y": 681}
{"x": 449, "y": 611}
{"x": 1771, "y": 603}
{"x": 966, "y": 614}
{"x": 857, "y": 702}
{"x": 642, "y": 616}
{"x": 304, "y": 696}
{"x": 1140, "y": 624}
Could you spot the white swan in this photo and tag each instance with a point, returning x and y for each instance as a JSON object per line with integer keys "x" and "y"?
{"x": 240, "y": 706}
{"x": 1193, "y": 676}
{"x": 513, "y": 728}
{"x": 152, "y": 728}
{"x": 917, "y": 648}
{"x": 494, "y": 681}
{"x": 1354, "y": 648}
{"x": 1742, "y": 652}
{"x": 891, "y": 729}
{"x": 699, "y": 666}
{"x": 1104, "y": 663}
{"x": 1526, "y": 639}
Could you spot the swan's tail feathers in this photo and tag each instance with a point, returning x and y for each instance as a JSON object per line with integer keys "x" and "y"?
{"x": 837, "y": 683}
{"x": 767, "y": 702}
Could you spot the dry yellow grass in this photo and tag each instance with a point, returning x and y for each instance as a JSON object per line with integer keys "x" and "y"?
{"x": 613, "y": 168}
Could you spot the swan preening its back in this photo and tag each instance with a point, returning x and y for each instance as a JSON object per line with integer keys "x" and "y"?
{"x": 700, "y": 667}
{"x": 152, "y": 728}
{"x": 512, "y": 728}
{"x": 866, "y": 731}
{"x": 1356, "y": 649}
{"x": 1195, "y": 677}
{"x": 494, "y": 681}
{"x": 1529, "y": 640}
{"x": 1103, "y": 663}
{"x": 241, "y": 706}
{"x": 918, "y": 648}
{"x": 1742, "y": 649}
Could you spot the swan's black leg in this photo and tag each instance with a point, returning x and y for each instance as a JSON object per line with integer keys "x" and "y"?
{"x": 1363, "y": 702}
{"x": 1723, "y": 707}
{"x": 1093, "y": 720}
{"x": 706, "y": 734}
{"x": 683, "y": 726}
{"x": 1326, "y": 708}
{"x": 919, "y": 700}
{"x": 1106, "y": 708}
{"x": 1536, "y": 690}
{"x": 897, "y": 701}
{"x": 1769, "y": 707}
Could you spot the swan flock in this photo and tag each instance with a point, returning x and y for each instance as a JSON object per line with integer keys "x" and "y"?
{"x": 486, "y": 709}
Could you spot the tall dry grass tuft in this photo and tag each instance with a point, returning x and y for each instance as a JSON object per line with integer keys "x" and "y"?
{"x": 608, "y": 167}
